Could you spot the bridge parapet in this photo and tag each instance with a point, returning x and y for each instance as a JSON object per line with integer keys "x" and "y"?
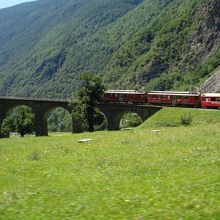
{"x": 34, "y": 99}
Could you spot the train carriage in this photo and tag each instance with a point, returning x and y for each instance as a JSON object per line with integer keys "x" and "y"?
{"x": 174, "y": 98}
{"x": 210, "y": 100}
{"x": 131, "y": 96}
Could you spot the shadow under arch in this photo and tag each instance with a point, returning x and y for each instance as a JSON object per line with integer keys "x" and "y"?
{"x": 101, "y": 122}
{"x": 128, "y": 119}
{"x": 58, "y": 119}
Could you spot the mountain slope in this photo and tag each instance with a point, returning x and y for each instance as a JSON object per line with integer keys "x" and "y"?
{"x": 31, "y": 56}
{"x": 151, "y": 44}
{"x": 173, "y": 51}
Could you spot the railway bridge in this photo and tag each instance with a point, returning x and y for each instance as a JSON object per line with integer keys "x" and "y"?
{"x": 42, "y": 107}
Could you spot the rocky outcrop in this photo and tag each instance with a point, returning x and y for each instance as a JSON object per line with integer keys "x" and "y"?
{"x": 212, "y": 84}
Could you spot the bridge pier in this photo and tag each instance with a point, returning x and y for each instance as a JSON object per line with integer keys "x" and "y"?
{"x": 40, "y": 124}
{"x": 113, "y": 121}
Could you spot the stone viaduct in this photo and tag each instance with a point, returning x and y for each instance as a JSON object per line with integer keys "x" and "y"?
{"x": 42, "y": 107}
{"x": 115, "y": 111}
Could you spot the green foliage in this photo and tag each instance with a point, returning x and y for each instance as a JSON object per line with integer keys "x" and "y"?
{"x": 24, "y": 121}
{"x": 45, "y": 45}
{"x": 130, "y": 120}
{"x": 59, "y": 120}
{"x": 58, "y": 41}
{"x": 90, "y": 88}
{"x": 7, "y": 126}
{"x": 171, "y": 50}
{"x": 186, "y": 120}
{"x": 78, "y": 116}
{"x": 90, "y": 91}
{"x": 21, "y": 120}
{"x": 34, "y": 156}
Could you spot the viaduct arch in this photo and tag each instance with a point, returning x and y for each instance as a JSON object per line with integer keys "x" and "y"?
{"x": 115, "y": 111}
{"x": 41, "y": 107}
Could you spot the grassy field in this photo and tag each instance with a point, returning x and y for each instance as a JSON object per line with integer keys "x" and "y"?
{"x": 160, "y": 170}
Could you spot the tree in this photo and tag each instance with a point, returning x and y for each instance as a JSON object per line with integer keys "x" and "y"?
{"x": 78, "y": 116}
{"x": 7, "y": 126}
{"x": 89, "y": 92}
{"x": 21, "y": 121}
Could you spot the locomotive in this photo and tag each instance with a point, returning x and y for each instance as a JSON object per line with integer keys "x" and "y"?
{"x": 165, "y": 98}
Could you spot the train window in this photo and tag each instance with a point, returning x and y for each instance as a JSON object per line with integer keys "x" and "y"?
{"x": 213, "y": 99}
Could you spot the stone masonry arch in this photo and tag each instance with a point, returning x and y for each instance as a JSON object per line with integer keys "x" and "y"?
{"x": 41, "y": 107}
{"x": 120, "y": 116}
{"x": 48, "y": 111}
{"x": 115, "y": 111}
{"x": 41, "y": 115}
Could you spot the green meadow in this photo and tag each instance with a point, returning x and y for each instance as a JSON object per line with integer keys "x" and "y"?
{"x": 159, "y": 170}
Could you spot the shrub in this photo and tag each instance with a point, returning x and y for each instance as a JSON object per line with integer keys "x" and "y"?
{"x": 130, "y": 120}
{"x": 34, "y": 156}
{"x": 186, "y": 120}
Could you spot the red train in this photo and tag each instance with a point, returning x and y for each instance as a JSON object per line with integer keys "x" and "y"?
{"x": 210, "y": 100}
{"x": 169, "y": 98}
{"x": 131, "y": 96}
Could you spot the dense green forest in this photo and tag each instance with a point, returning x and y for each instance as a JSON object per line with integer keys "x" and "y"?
{"x": 141, "y": 44}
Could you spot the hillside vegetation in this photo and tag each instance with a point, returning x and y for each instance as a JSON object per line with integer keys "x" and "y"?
{"x": 142, "y": 44}
{"x": 168, "y": 173}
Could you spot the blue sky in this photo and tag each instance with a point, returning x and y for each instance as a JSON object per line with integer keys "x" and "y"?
{"x": 8, "y": 3}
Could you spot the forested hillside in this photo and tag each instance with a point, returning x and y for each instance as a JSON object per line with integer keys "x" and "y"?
{"x": 141, "y": 44}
